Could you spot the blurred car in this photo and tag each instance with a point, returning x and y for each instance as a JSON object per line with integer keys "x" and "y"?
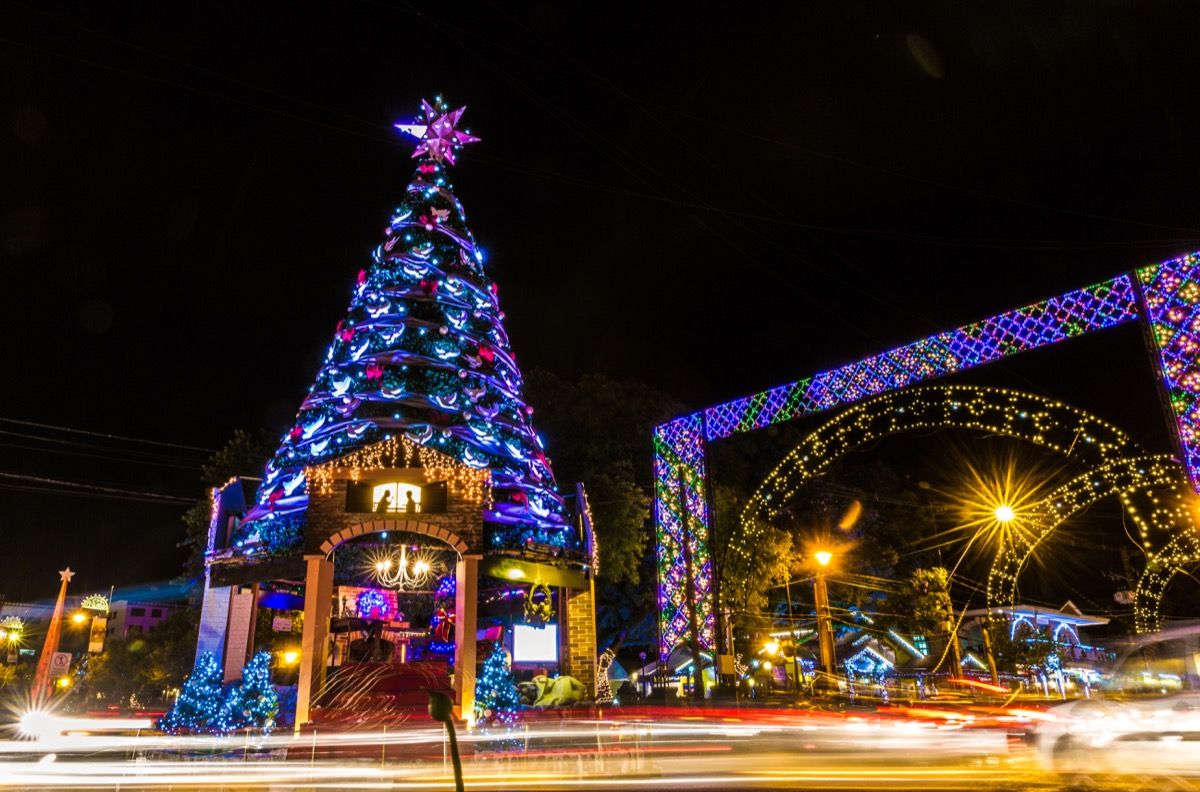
{"x": 1145, "y": 722}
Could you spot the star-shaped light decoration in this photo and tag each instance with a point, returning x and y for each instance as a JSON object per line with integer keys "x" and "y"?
{"x": 66, "y": 574}
{"x": 438, "y": 134}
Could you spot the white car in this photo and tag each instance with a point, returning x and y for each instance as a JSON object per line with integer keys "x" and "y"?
{"x": 1145, "y": 723}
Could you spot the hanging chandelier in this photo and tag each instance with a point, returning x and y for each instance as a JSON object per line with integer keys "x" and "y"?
{"x": 400, "y": 570}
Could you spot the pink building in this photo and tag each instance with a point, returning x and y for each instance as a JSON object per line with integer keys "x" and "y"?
{"x": 127, "y": 616}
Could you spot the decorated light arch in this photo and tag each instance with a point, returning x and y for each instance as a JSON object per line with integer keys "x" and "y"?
{"x": 1165, "y": 298}
{"x": 1154, "y": 493}
{"x": 1151, "y": 487}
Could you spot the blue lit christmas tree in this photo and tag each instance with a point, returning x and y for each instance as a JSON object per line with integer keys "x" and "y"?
{"x": 199, "y": 702}
{"x": 423, "y": 355}
{"x": 251, "y": 704}
{"x": 497, "y": 700}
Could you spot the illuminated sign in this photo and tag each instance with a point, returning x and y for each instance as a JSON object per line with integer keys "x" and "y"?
{"x": 535, "y": 644}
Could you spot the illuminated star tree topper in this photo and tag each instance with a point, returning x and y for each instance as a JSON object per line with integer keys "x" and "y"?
{"x": 437, "y": 133}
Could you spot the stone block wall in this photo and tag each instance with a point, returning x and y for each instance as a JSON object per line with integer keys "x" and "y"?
{"x": 579, "y": 641}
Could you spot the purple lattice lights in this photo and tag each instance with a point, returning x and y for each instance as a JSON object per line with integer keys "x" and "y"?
{"x": 1172, "y": 292}
{"x": 682, "y": 525}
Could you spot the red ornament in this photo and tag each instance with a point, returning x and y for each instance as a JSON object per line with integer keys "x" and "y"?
{"x": 487, "y": 354}
{"x": 296, "y": 432}
{"x": 445, "y": 624}
{"x": 362, "y": 277}
{"x": 427, "y": 168}
{"x": 273, "y": 497}
{"x": 374, "y": 371}
{"x": 520, "y": 497}
{"x": 347, "y": 334}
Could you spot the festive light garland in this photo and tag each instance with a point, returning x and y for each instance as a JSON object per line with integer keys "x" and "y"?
{"x": 604, "y": 694}
{"x": 1169, "y": 295}
{"x": 95, "y": 602}
{"x": 464, "y": 481}
{"x": 421, "y": 358}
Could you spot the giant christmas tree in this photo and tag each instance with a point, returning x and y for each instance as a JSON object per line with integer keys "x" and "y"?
{"x": 421, "y": 354}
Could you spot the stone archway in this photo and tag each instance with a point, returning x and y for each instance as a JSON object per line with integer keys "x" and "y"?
{"x": 384, "y": 526}
{"x": 318, "y": 594}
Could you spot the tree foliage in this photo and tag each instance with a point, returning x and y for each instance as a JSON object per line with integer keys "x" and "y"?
{"x": 922, "y": 604}
{"x": 142, "y": 667}
{"x": 597, "y": 431}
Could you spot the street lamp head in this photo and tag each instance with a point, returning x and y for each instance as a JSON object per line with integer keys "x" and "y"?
{"x": 823, "y": 557}
{"x": 1005, "y": 513}
{"x": 78, "y": 617}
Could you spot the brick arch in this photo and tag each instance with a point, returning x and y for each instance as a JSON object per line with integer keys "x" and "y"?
{"x": 379, "y": 526}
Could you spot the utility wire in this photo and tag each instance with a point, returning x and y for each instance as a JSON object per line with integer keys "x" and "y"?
{"x": 21, "y": 477}
{"x": 107, "y": 436}
{"x": 105, "y": 457}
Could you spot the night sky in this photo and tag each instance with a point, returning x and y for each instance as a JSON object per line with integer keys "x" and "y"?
{"x": 711, "y": 203}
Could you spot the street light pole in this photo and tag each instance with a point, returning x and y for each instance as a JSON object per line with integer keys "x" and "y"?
{"x": 986, "y": 625}
{"x": 792, "y": 630}
{"x": 824, "y": 621}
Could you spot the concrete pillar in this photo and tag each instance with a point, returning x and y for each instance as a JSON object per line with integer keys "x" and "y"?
{"x": 214, "y": 621}
{"x": 466, "y": 603}
{"x": 578, "y": 621}
{"x": 239, "y": 636}
{"x": 314, "y": 640}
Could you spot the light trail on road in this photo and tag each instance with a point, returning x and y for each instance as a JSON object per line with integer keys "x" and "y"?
{"x": 758, "y": 749}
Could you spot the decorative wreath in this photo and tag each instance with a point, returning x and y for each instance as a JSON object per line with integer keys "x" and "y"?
{"x": 538, "y": 608}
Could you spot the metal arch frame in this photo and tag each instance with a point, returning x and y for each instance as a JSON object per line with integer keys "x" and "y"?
{"x": 1164, "y": 297}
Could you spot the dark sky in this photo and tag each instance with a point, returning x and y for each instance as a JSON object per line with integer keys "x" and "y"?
{"x": 712, "y": 203}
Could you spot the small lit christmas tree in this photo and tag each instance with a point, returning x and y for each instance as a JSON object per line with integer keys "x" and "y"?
{"x": 497, "y": 700}
{"x": 251, "y": 704}
{"x": 199, "y": 702}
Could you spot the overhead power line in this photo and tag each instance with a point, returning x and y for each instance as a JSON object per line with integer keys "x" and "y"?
{"x": 106, "y": 435}
{"x": 79, "y": 487}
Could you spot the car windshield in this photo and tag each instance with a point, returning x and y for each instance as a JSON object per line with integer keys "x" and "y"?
{"x": 1158, "y": 667}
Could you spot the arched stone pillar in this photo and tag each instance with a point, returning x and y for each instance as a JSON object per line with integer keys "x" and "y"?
{"x": 318, "y": 600}
{"x": 314, "y": 640}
